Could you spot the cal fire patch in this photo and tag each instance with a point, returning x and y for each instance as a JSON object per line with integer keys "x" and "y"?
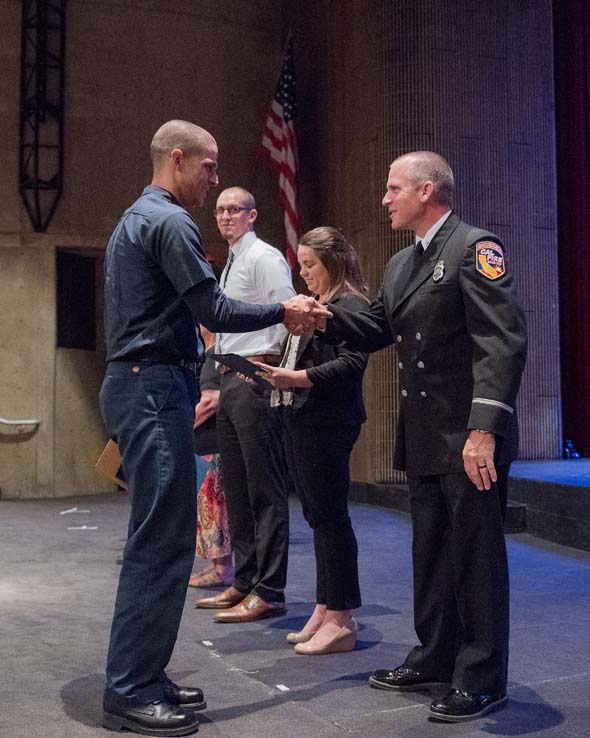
{"x": 489, "y": 259}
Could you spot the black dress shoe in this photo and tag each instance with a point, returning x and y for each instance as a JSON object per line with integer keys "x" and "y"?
{"x": 192, "y": 697}
{"x": 457, "y": 706}
{"x": 402, "y": 679}
{"x": 154, "y": 718}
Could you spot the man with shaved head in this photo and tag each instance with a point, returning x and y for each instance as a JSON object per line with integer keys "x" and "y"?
{"x": 158, "y": 288}
{"x": 449, "y": 306}
{"x": 252, "y": 468}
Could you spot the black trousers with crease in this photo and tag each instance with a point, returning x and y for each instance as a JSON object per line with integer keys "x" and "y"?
{"x": 461, "y": 594}
{"x": 318, "y": 458}
{"x": 255, "y": 491}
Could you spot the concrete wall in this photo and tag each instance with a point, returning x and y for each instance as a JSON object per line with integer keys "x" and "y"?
{"x": 129, "y": 68}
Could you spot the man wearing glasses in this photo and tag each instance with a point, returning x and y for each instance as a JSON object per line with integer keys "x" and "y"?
{"x": 253, "y": 484}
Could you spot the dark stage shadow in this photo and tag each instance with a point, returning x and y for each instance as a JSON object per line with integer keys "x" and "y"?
{"x": 82, "y": 699}
{"x": 301, "y": 695}
{"x": 525, "y": 713}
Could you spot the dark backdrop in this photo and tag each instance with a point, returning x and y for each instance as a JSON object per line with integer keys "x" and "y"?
{"x": 572, "y": 88}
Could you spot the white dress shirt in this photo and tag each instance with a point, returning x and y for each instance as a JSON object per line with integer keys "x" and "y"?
{"x": 432, "y": 231}
{"x": 258, "y": 273}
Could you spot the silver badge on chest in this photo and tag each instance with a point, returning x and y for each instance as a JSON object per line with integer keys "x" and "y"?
{"x": 439, "y": 271}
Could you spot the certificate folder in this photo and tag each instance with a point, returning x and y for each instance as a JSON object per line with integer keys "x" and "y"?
{"x": 241, "y": 365}
{"x": 109, "y": 464}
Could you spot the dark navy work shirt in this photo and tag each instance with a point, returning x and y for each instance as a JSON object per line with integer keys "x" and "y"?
{"x": 159, "y": 286}
{"x": 154, "y": 256}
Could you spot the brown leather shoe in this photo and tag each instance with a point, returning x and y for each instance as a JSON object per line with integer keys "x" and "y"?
{"x": 228, "y": 598}
{"x": 249, "y": 609}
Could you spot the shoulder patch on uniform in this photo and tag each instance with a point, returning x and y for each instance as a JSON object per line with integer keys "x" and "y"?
{"x": 489, "y": 259}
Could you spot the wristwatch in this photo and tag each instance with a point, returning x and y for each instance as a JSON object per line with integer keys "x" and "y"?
{"x": 479, "y": 430}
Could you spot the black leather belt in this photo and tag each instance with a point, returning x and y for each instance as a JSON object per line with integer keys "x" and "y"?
{"x": 192, "y": 366}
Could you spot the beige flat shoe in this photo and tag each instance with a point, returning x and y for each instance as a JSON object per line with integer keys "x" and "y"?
{"x": 344, "y": 640}
{"x": 300, "y": 637}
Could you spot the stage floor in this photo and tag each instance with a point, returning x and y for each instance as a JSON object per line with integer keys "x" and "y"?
{"x": 572, "y": 472}
{"x": 57, "y": 586}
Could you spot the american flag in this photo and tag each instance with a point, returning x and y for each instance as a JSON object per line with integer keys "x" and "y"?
{"x": 279, "y": 144}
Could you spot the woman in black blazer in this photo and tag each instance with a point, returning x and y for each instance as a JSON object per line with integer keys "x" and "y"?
{"x": 318, "y": 397}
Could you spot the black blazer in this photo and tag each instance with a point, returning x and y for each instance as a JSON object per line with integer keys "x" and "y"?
{"x": 461, "y": 340}
{"x": 336, "y": 397}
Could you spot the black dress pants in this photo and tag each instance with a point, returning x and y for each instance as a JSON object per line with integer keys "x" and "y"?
{"x": 318, "y": 459}
{"x": 461, "y": 594}
{"x": 255, "y": 492}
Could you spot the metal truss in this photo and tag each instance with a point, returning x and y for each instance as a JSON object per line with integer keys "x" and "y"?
{"x": 42, "y": 108}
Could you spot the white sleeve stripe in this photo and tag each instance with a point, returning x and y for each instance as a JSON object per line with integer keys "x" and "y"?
{"x": 495, "y": 403}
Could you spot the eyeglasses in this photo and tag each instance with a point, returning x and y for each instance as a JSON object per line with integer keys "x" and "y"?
{"x": 232, "y": 211}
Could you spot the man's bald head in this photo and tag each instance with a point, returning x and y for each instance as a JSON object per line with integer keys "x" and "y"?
{"x": 245, "y": 198}
{"x": 427, "y": 166}
{"x": 178, "y": 134}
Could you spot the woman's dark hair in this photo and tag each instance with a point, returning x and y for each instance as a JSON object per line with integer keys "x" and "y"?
{"x": 340, "y": 260}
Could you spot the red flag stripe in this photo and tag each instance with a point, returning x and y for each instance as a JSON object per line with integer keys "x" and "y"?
{"x": 279, "y": 146}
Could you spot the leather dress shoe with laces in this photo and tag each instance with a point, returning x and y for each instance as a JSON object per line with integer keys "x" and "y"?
{"x": 228, "y": 598}
{"x": 402, "y": 679}
{"x": 457, "y": 706}
{"x": 192, "y": 697}
{"x": 158, "y": 718}
{"x": 249, "y": 609}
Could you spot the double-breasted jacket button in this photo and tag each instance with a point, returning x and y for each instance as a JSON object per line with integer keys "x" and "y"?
{"x": 420, "y": 365}
{"x": 401, "y": 364}
{"x": 418, "y": 336}
{"x": 423, "y": 394}
{"x": 404, "y": 393}
{"x": 398, "y": 338}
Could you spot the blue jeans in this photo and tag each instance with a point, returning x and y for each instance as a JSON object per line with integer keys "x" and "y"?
{"x": 148, "y": 409}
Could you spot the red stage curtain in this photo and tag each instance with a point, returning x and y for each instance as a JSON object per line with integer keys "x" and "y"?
{"x": 572, "y": 90}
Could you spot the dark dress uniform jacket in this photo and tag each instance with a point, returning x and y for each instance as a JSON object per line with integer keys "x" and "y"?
{"x": 461, "y": 341}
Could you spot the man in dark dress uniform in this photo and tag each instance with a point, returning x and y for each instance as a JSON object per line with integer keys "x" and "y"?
{"x": 449, "y": 305}
{"x": 158, "y": 288}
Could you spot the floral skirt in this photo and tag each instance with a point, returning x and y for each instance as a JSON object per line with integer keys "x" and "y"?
{"x": 213, "y": 539}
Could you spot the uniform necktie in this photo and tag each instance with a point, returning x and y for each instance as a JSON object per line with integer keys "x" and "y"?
{"x": 418, "y": 254}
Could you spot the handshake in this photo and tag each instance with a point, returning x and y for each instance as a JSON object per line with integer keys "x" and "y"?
{"x": 304, "y": 314}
